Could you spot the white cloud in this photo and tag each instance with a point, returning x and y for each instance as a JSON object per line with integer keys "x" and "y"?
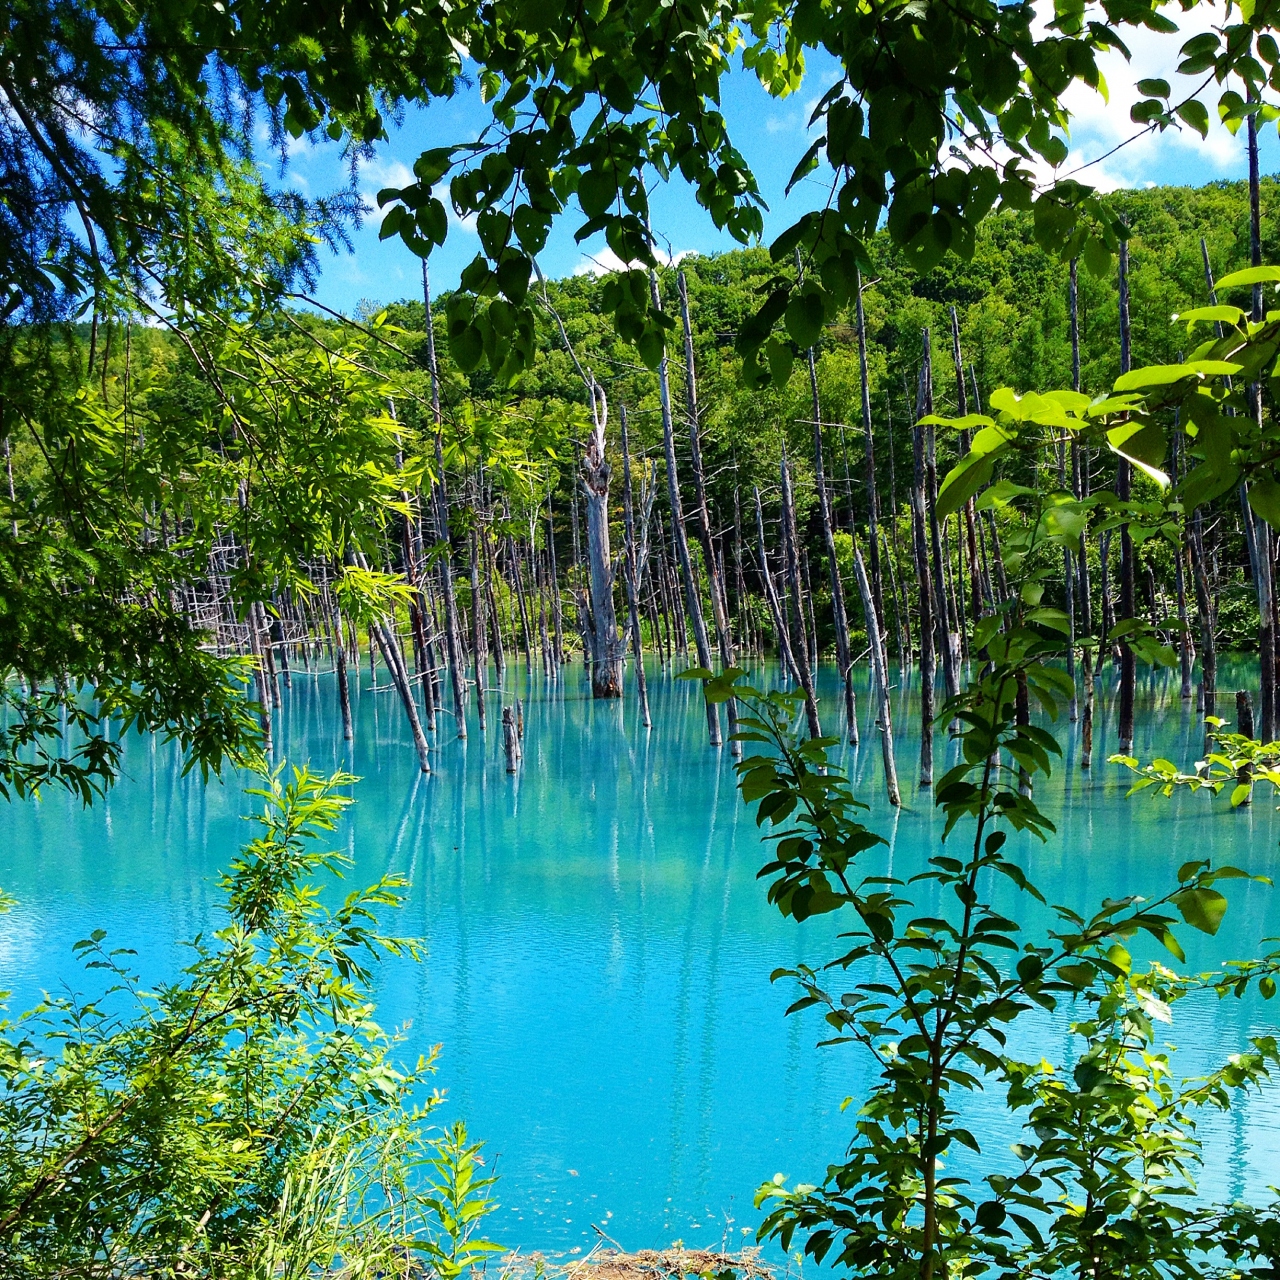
{"x": 380, "y": 172}
{"x": 606, "y": 261}
{"x": 1101, "y": 124}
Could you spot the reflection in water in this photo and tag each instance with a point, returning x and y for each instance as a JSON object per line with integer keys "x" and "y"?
{"x": 599, "y": 948}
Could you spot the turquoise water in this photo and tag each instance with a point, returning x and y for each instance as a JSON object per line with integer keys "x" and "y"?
{"x": 599, "y": 947}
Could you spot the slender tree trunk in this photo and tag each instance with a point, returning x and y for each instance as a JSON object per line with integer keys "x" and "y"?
{"x": 771, "y": 598}
{"x": 261, "y": 676}
{"x": 839, "y": 614}
{"x": 1208, "y": 625}
{"x": 1266, "y": 589}
{"x": 557, "y": 617}
{"x": 945, "y": 640}
{"x": 344, "y": 689}
{"x": 880, "y": 677}
{"x": 453, "y": 645}
{"x": 381, "y": 634}
{"x": 715, "y": 579}
{"x": 632, "y": 574}
{"x": 869, "y": 449}
{"x": 799, "y": 647}
{"x": 582, "y": 607}
{"x": 970, "y": 510}
{"x": 479, "y": 658}
{"x": 901, "y": 605}
{"x": 920, "y": 540}
{"x": 1124, "y": 485}
{"x": 680, "y": 540}
{"x": 606, "y": 652}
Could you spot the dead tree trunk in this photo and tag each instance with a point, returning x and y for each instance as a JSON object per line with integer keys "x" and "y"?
{"x": 344, "y": 689}
{"x": 606, "y": 652}
{"x": 1207, "y": 611}
{"x": 557, "y": 617}
{"x": 920, "y": 544}
{"x": 945, "y": 638}
{"x": 715, "y": 578}
{"x": 901, "y": 605}
{"x": 694, "y": 603}
{"x": 970, "y": 542}
{"x": 839, "y": 613}
{"x": 1124, "y": 488}
{"x": 869, "y": 448}
{"x": 633, "y": 566}
{"x": 385, "y": 639}
{"x": 880, "y": 676}
{"x": 1266, "y": 587}
{"x": 771, "y": 597}
{"x": 452, "y": 640}
{"x": 479, "y": 663}
{"x": 799, "y": 647}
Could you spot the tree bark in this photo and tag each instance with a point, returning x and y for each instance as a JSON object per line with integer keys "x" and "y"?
{"x": 880, "y": 676}
{"x": 799, "y": 646}
{"x": 944, "y": 638}
{"x": 452, "y": 640}
{"x": 920, "y": 540}
{"x": 869, "y": 449}
{"x": 1124, "y": 486}
{"x": 678, "y": 536}
{"x": 715, "y": 579}
{"x": 480, "y": 663}
{"x": 632, "y": 568}
{"x": 839, "y": 613}
{"x": 771, "y": 597}
{"x": 606, "y": 651}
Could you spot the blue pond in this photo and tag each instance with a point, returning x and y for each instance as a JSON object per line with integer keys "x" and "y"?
{"x": 599, "y": 949}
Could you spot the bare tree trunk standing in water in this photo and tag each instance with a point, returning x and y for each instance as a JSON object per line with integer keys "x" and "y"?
{"x": 557, "y": 616}
{"x": 970, "y": 542}
{"x": 678, "y": 534}
{"x": 1206, "y": 605}
{"x": 384, "y": 636}
{"x": 771, "y": 598}
{"x": 479, "y": 664}
{"x": 839, "y": 613}
{"x": 453, "y": 646}
{"x": 1266, "y": 588}
{"x": 945, "y": 638}
{"x": 633, "y": 567}
{"x": 344, "y": 688}
{"x": 606, "y": 651}
{"x": 869, "y": 448}
{"x": 920, "y": 541}
{"x": 799, "y": 647}
{"x": 880, "y": 675}
{"x": 1068, "y": 557}
{"x": 1124, "y": 491}
{"x": 1208, "y": 625}
{"x": 719, "y": 601}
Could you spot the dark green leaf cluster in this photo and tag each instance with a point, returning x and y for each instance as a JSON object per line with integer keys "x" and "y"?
{"x": 247, "y": 1118}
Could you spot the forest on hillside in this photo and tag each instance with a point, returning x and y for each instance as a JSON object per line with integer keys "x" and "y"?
{"x": 506, "y": 517}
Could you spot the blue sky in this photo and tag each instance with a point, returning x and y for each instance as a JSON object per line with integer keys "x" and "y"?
{"x": 772, "y": 135}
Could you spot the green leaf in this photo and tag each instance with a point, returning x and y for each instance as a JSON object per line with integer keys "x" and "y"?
{"x": 1264, "y": 498}
{"x": 1250, "y": 275}
{"x": 963, "y": 481}
{"x": 1221, "y": 314}
{"x": 1196, "y": 115}
{"x": 1202, "y": 909}
{"x": 805, "y": 316}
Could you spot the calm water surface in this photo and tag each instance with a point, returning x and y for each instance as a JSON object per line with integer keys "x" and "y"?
{"x": 599, "y": 950}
